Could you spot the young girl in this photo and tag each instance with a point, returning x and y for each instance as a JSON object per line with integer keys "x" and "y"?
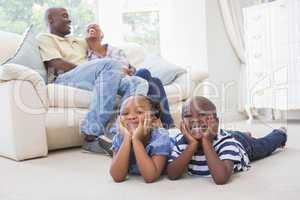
{"x": 141, "y": 145}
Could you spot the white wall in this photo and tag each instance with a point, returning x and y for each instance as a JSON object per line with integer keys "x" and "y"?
{"x": 223, "y": 65}
{"x": 182, "y": 32}
{"x": 193, "y": 33}
{"x": 110, "y": 20}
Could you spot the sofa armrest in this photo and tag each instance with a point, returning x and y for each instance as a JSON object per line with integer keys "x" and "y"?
{"x": 22, "y": 119}
{"x": 197, "y": 74}
{"x": 10, "y": 72}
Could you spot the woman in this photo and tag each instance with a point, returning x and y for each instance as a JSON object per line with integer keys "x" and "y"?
{"x": 156, "y": 90}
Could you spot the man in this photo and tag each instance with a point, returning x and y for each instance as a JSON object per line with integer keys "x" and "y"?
{"x": 65, "y": 59}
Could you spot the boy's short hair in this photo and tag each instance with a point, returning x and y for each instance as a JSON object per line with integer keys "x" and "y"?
{"x": 201, "y": 103}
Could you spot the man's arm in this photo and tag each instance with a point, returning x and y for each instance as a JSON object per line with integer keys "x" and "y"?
{"x": 51, "y": 55}
{"x": 59, "y": 65}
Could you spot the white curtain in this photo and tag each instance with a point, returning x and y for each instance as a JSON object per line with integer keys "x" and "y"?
{"x": 233, "y": 20}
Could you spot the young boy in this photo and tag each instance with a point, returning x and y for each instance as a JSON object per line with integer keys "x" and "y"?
{"x": 206, "y": 150}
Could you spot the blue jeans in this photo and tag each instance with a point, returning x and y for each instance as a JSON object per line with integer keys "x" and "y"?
{"x": 258, "y": 148}
{"x": 105, "y": 78}
{"x": 157, "y": 93}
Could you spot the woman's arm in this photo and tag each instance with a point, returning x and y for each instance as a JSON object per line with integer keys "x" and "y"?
{"x": 149, "y": 167}
{"x": 221, "y": 170}
{"x": 120, "y": 162}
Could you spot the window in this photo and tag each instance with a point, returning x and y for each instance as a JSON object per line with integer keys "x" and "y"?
{"x": 140, "y": 18}
{"x": 16, "y": 15}
{"x": 141, "y": 23}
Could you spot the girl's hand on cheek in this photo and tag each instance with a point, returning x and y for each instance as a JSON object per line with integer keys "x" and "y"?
{"x": 138, "y": 132}
{"x": 147, "y": 123}
{"x": 143, "y": 128}
{"x": 122, "y": 128}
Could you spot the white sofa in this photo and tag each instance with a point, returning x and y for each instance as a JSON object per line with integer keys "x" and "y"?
{"x": 36, "y": 118}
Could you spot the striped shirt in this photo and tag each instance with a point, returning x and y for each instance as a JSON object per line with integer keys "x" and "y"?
{"x": 226, "y": 147}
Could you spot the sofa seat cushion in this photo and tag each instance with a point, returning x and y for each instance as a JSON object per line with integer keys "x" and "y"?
{"x": 69, "y": 97}
{"x": 62, "y": 96}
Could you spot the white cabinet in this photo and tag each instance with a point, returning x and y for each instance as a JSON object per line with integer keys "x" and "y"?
{"x": 272, "y": 37}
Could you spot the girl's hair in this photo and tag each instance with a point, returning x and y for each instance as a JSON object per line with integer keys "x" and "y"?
{"x": 155, "y": 105}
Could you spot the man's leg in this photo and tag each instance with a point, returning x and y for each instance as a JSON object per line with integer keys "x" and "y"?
{"x": 102, "y": 77}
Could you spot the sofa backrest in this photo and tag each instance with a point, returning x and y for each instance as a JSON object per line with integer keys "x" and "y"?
{"x": 9, "y": 43}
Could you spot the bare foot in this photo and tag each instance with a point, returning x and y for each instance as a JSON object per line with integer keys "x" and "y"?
{"x": 284, "y": 130}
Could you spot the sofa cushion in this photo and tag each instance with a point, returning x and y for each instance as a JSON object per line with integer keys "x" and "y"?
{"x": 159, "y": 67}
{"x": 9, "y": 44}
{"x": 180, "y": 89}
{"x": 28, "y": 54}
{"x": 134, "y": 52}
{"x": 62, "y": 96}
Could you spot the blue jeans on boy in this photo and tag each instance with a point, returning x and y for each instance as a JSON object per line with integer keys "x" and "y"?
{"x": 105, "y": 78}
{"x": 258, "y": 148}
{"x": 157, "y": 93}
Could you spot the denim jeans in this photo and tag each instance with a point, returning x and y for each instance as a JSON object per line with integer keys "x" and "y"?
{"x": 157, "y": 93}
{"x": 258, "y": 148}
{"x": 105, "y": 78}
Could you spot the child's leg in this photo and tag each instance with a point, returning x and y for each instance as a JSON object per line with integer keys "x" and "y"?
{"x": 263, "y": 147}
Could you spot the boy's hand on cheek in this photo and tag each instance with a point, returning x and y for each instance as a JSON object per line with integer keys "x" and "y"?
{"x": 212, "y": 130}
{"x": 188, "y": 136}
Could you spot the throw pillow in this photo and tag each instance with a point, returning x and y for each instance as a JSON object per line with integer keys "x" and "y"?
{"x": 162, "y": 69}
{"x": 134, "y": 52}
{"x": 28, "y": 54}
